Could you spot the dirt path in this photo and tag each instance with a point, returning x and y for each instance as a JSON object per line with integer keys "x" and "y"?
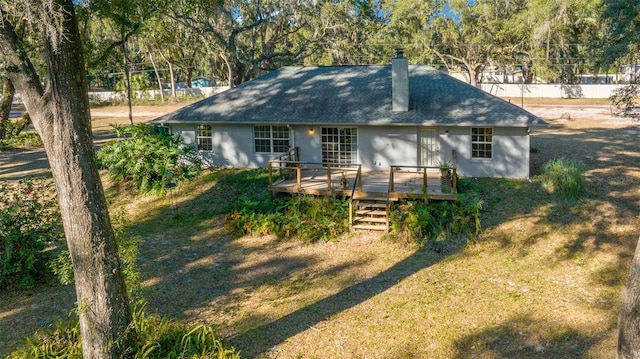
{"x": 32, "y": 162}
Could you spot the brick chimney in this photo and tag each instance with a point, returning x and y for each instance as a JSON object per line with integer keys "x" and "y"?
{"x": 400, "y": 82}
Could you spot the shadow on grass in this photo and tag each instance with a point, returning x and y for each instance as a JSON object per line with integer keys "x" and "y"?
{"x": 23, "y": 164}
{"x": 266, "y": 336}
{"x": 611, "y": 158}
{"x": 24, "y": 312}
{"x": 605, "y": 152}
{"x": 190, "y": 263}
{"x": 522, "y": 337}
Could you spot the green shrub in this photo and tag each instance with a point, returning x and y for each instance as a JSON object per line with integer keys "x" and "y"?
{"x": 29, "y": 221}
{"x": 127, "y": 251}
{"x": 150, "y": 158}
{"x": 441, "y": 225}
{"x": 623, "y": 99}
{"x": 14, "y": 139}
{"x": 11, "y": 129}
{"x": 156, "y": 337}
{"x": 309, "y": 218}
{"x": 563, "y": 177}
{"x": 26, "y": 139}
{"x": 139, "y": 82}
{"x": 62, "y": 267}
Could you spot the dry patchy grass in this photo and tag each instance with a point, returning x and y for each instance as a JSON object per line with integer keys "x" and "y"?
{"x": 543, "y": 281}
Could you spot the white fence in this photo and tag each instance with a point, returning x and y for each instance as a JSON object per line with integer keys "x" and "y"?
{"x": 549, "y": 90}
{"x": 500, "y": 90}
{"x": 106, "y": 96}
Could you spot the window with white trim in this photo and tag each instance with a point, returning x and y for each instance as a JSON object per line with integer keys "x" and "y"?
{"x": 204, "y": 138}
{"x": 271, "y": 139}
{"x": 481, "y": 142}
{"x": 339, "y": 145}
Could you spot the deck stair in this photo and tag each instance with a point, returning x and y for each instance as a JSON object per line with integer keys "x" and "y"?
{"x": 371, "y": 213}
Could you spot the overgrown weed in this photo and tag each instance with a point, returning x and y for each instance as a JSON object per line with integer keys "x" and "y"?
{"x": 440, "y": 225}
{"x": 309, "y": 218}
{"x": 156, "y": 337}
{"x": 563, "y": 177}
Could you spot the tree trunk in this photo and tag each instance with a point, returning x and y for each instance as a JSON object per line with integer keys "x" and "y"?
{"x": 61, "y": 116}
{"x": 8, "y": 91}
{"x": 171, "y": 76}
{"x": 229, "y": 69}
{"x": 473, "y": 74}
{"x": 173, "y": 81}
{"x": 155, "y": 70}
{"x": 127, "y": 77}
{"x": 22, "y": 123}
{"x": 629, "y": 317}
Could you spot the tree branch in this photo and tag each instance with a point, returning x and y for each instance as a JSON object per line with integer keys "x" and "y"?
{"x": 18, "y": 66}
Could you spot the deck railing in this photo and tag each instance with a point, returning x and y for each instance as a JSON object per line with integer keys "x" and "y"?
{"x": 330, "y": 178}
{"x": 389, "y": 199}
{"x": 448, "y": 177}
{"x": 358, "y": 180}
{"x": 291, "y": 155}
{"x": 286, "y": 170}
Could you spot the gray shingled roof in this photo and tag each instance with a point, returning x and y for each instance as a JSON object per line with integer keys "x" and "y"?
{"x": 353, "y": 95}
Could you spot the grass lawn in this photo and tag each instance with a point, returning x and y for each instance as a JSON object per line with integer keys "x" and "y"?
{"x": 543, "y": 281}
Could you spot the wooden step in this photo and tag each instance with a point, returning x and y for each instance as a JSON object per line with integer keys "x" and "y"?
{"x": 371, "y": 212}
{"x": 371, "y": 219}
{"x": 374, "y": 199}
{"x": 371, "y": 205}
{"x": 369, "y": 227}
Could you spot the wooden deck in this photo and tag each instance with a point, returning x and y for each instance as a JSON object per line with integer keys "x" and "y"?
{"x": 328, "y": 180}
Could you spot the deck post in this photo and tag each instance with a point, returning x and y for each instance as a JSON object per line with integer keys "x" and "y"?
{"x": 329, "y": 177}
{"x": 350, "y": 212}
{"x": 299, "y": 174}
{"x": 387, "y": 218}
{"x": 424, "y": 179}
{"x": 455, "y": 181}
{"x": 359, "y": 174}
{"x": 270, "y": 173}
{"x": 391, "y": 185}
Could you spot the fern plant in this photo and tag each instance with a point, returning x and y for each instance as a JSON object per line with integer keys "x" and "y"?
{"x": 149, "y": 157}
{"x": 439, "y": 225}
{"x": 308, "y": 218}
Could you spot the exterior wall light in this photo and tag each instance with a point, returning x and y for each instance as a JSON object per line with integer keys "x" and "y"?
{"x": 312, "y": 131}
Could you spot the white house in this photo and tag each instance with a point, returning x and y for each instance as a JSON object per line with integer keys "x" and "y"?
{"x": 374, "y": 116}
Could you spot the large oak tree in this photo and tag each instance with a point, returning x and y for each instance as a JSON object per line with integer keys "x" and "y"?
{"x": 59, "y": 107}
{"x": 623, "y": 37}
